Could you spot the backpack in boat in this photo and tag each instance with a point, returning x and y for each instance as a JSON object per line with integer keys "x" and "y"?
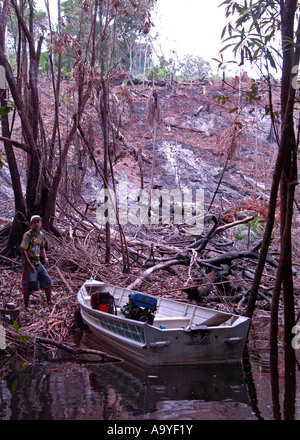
{"x": 104, "y": 302}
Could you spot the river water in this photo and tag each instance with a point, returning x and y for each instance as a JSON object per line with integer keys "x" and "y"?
{"x": 261, "y": 388}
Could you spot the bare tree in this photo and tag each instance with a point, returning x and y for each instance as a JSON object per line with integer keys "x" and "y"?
{"x": 42, "y": 187}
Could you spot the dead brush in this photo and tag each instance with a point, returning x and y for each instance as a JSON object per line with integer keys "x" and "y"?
{"x": 126, "y": 98}
{"x": 227, "y": 141}
{"x": 153, "y": 110}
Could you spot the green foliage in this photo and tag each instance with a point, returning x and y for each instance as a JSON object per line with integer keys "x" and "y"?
{"x": 76, "y": 19}
{"x": 159, "y": 70}
{"x": 253, "y": 95}
{"x": 251, "y": 231}
{"x": 44, "y": 66}
{"x": 20, "y": 376}
{"x": 254, "y": 32}
{"x": 5, "y": 110}
{"x": 1, "y": 163}
{"x": 22, "y": 338}
{"x": 125, "y": 43}
{"x": 222, "y": 99}
{"x": 125, "y": 23}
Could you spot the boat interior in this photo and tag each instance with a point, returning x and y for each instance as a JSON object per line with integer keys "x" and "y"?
{"x": 169, "y": 314}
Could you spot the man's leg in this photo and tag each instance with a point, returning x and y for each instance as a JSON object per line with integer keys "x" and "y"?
{"x": 48, "y": 292}
{"x": 26, "y": 300}
{"x": 27, "y": 276}
{"x": 45, "y": 283}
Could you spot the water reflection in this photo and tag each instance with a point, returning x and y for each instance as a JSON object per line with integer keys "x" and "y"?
{"x": 289, "y": 383}
{"x": 115, "y": 391}
{"x": 264, "y": 387}
{"x": 146, "y": 389}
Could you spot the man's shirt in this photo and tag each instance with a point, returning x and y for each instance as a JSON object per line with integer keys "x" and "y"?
{"x": 32, "y": 244}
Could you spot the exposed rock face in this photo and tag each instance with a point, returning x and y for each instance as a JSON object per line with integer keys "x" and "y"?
{"x": 6, "y": 194}
{"x": 190, "y": 149}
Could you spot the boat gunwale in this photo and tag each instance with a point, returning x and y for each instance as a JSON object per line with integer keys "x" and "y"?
{"x": 194, "y": 327}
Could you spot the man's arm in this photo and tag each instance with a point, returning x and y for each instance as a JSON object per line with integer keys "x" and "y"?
{"x": 43, "y": 254}
{"x": 26, "y": 258}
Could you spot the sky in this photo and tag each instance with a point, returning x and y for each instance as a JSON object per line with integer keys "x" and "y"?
{"x": 191, "y": 26}
{"x": 194, "y": 27}
{"x": 187, "y": 27}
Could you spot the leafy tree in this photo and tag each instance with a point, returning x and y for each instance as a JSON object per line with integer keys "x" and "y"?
{"x": 159, "y": 70}
{"x": 195, "y": 68}
{"x": 124, "y": 33}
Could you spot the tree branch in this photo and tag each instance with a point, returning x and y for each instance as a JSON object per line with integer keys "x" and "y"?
{"x": 17, "y": 144}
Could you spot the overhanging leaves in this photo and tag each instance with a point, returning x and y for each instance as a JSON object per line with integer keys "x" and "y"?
{"x": 5, "y": 110}
{"x": 254, "y": 33}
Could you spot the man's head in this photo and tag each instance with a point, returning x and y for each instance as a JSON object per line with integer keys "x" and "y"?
{"x": 36, "y": 222}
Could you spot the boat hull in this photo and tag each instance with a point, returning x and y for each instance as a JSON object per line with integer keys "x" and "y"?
{"x": 145, "y": 344}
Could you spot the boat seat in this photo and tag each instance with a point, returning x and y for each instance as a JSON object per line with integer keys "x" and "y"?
{"x": 170, "y": 318}
{"x": 171, "y": 321}
{"x": 216, "y": 320}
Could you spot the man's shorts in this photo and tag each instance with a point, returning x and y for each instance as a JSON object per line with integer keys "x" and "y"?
{"x": 40, "y": 274}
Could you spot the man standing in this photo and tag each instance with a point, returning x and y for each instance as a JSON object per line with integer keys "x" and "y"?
{"x": 32, "y": 247}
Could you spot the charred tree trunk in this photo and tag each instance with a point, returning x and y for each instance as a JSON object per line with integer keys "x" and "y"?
{"x": 16, "y": 229}
{"x": 104, "y": 123}
{"x": 285, "y": 176}
{"x": 30, "y": 128}
{"x": 104, "y": 115}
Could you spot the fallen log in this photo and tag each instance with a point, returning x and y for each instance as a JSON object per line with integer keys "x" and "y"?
{"x": 9, "y": 261}
{"x": 198, "y": 111}
{"x": 70, "y": 290}
{"x": 78, "y": 351}
{"x": 231, "y": 225}
{"x": 200, "y": 291}
{"x": 180, "y": 127}
{"x": 200, "y": 244}
{"x": 148, "y": 272}
{"x": 229, "y": 256}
